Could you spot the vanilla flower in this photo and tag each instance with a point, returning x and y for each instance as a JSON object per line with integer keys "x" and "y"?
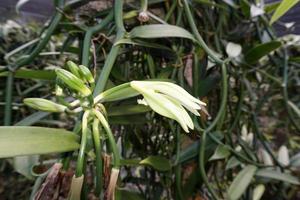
{"x": 169, "y": 100}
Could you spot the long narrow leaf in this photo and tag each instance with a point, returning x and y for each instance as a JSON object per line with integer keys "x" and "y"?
{"x": 25, "y": 140}
{"x": 283, "y": 8}
{"x": 160, "y": 31}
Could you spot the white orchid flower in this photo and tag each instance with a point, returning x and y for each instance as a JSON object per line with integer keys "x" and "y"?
{"x": 283, "y": 155}
{"x": 169, "y": 100}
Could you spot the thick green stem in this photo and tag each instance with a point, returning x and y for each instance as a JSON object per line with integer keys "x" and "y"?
{"x": 97, "y": 144}
{"x": 111, "y": 58}
{"x": 111, "y": 138}
{"x": 88, "y": 37}
{"x": 8, "y": 98}
{"x": 81, "y": 155}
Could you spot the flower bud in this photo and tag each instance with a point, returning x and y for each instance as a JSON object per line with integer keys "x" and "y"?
{"x": 283, "y": 155}
{"x": 86, "y": 73}
{"x": 44, "y": 105}
{"x": 74, "y": 68}
{"x": 73, "y": 82}
{"x": 143, "y": 16}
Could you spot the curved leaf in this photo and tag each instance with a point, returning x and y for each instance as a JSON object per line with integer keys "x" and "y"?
{"x": 272, "y": 174}
{"x": 160, "y": 31}
{"x": 241, "y": 182}
{"x": 26, "y": 140}
{"x": 261, "y": 50}
{"x": 157, "y": 162}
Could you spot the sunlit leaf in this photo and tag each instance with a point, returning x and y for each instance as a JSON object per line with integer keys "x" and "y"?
{"x": 25, "y": 140}
{"x": 160, "y": 31}
{"x": 283, "y": 8}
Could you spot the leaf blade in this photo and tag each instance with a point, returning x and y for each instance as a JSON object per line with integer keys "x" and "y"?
{"x": 160, "y": 31}
{"x": 241, "y": 182}
{"x": 283, "y": 8}
{"x": 25, "y": 140}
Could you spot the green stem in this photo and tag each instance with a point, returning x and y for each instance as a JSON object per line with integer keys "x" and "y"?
{"x": 8, "y": 98}
{"x": 81, "y": 155}
{"x": 178, "y": 167}
{"x": 144, "y": 5}
{"x": 208, "y": 129}
{"x": 97, "y": 143}
{"x": 88, "y": 37}
{"x": 198, "y": 36}
{"x": 111, "y": 138}
{"x": 285, "y": 91}
{"x": 111, "y": 58}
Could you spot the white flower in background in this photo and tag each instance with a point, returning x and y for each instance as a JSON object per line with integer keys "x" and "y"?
{"x": 265, "y": 157}
{"x": 233, "y": 50}
{"x": 256, "y": 11}
{"x": 247, "y": 137}
{"x": 169, "y": 100}
{"x": 283, "y": 155}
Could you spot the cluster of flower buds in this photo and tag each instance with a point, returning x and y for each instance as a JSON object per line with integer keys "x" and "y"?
{"x": 78, "y": 79}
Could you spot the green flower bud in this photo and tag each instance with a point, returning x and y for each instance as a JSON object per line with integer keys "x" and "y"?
{"x": 86, "y": 73}
{"x": 74, "y": 68}
{"x": 73, "y": 82}
{"x": 44, "y": 105}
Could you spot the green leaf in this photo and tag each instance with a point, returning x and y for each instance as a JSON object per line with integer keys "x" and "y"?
{"x": 33, "y": 74}
{"x": 26, "y": 140}
{"x": 232, "y": 162}
{"x": 260, "y": 51}
{"x": 127, "y": 110}
{"x": 241, "y": 182}
{"x": 160, "y": 31}
{"x": 271, "y": 7}
{"x": 157, "y": 162}
{"x": 276, "y": 175}
{"x": 284, "y": 7}
{"x": 295, "y": 160}
{"x": 295, "y": 59}
{"x": 129, "y": 119}
{"x": 220, "y": 153}
{"x": 117, "y": 93}
{"x": 125, "y": 195}
{"x": 142, "y": 43}
{"x": 294, "y": 108}
{"x": 32, "y": 119}
{"x": 258, "y": 192}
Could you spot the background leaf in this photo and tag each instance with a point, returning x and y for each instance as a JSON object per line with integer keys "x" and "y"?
{"x": 260, "y": 51}
{"x": 157, "y": 162}
{"x": 241, "y": 182}
{"x": 276, "y": 175}
{"x": 24, "y": 140}
{"x": 160, "y": 31}
{"x": 33, "y": 74}
{"x": 284, "y": 7}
